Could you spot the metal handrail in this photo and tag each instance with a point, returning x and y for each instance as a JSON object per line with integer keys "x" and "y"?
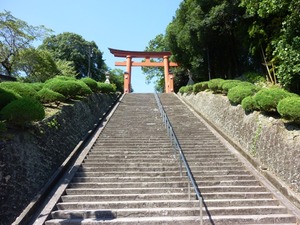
{"x": 182, "y": 159}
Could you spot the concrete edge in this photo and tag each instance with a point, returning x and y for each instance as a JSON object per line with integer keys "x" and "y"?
{"x": 29, "y": 212}
{"x": 273, "y": 183}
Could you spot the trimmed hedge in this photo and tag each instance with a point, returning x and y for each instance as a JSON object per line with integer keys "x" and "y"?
{"x": 215, "y": 84}
{"x": 106, "y": 88}
{"x": 289, "y": 108}
{"x": 68, "y": 88}
{"x": 85, "y": 89}
{"x": 198, "y": 87}
{"x": 238, "y": 93}
{"x": 23, "y": 111}
{"x": 47, "y": 96}
{"x": 267, "y": 99}
{"x": 7, "y": 96}
{"x": 228, "y": 84}
{"x": 37, "y": 86}
{"x": 248, "y": 104}
{"x": 91, "y": 83}
{"x": 23, "y": 89}
{"x": 186, "y": 89}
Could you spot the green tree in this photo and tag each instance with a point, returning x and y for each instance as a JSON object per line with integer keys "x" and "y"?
{"x": 66, "y": 68}
{"x": 275, "y": 31}
{"x": 85, "y": 56}
{"x": 158, "y": 44}
{"x": 38, "y": 65}
{"x": 16, "y": 35}
{"x": 207, "y": 38}
{"x": 117, "y": 78}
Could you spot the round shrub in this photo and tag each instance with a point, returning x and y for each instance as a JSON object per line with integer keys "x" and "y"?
{"x": 289, "y": 108}
{"x": 69, "y": 89}
{"x": 91, "y": 83}
{"x": 105, "y": 88}
{"x": 22, "y": 111}
{"x": 7, "y": 96}
{"x": 248, "y": 104}
{"x": 267, "y": 99}
{"x": 238, "y": 93}
{"x": 23, "y": 89}
{"x": 63, "y": 78}
{"x": 85, "y": 89}
{"x": 214, "y": 84}
{"x": 228, "y": 84}
{"x": 37, "y": 86}
{"x": 202, "y": 86}
{"x": 46, "y": 96}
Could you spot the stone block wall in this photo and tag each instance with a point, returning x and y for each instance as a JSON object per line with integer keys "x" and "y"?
{"x": 272, "y": 143}
{"x": 29, "y": 158}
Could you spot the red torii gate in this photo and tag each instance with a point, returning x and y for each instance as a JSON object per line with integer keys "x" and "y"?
{"x": 169, "y": 82}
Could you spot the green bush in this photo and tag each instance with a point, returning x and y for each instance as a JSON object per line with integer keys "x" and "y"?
{"x": 238, "y": 93}
{"x": 3, "y": 127}
{"x": 63, "y": 78}
{"x": 37, "y": 86}
{"x": 248, "y": 104}
{"x": 91, "y": 83}
{"x": 186, "y": 89}
{"x": 254, "y": 77}
{"x": 46, "y": 96}
{"x": 215, "y": 84}
{"x": 202, "y": 86}
{"x": 289, "y": 108}
{"x": 267, "y": 99}
{"x": 7, "y": 96}
{"x": 22, "y": 111}
{"x": 85, "y": 89}
{"x": 68, "y": 88}
{"x": 23, "y": 89}
{"x": 106, "y": 88}
{"x": 228, "y": 84}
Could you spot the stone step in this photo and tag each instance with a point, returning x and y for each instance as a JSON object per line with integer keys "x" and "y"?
{"x": 169, "y": 211}
{"x": 82, "y": 177}
{"x": 282, "y": 219}
{"x": 83, "y": 172}
{"x": 80, "y": 183}
{"x": 95, "y": 167}
{"x": 93, "y": 188}
{"x": 124, "y": 197}
{"x": 127, "y": 204}
{"x": 125, "y": 213}
{"x": 166, "y": 203}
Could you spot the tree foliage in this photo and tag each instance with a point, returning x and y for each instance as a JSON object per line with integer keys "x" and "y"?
{"x": 225, "y": 39}
{"x": 16, "y": 35}
{"x": 85, "y": 56}
{"x": 38, "y": 65}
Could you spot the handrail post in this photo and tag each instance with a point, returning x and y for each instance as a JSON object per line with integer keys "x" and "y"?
{"x": 201, "y": 211}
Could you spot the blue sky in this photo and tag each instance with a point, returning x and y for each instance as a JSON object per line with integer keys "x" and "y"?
{"x": 120, "y": 24}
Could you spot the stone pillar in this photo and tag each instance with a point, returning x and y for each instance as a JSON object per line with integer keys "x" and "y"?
{"x": 171, "y": 83}
{"x": 166, "y": 72}
{"x": 127, "y": 75}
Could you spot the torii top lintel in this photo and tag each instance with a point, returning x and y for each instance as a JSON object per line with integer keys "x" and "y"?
{"x": 138, "y": 54}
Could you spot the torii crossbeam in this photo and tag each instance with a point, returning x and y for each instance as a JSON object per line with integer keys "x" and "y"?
{"x": 169, "y": 83}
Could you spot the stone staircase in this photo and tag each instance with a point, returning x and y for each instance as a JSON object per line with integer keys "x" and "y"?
{"x": 130, "y": 176}
{"x": 231, "y": 193}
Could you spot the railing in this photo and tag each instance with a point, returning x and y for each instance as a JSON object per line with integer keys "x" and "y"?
{"x": 182, "y": 160}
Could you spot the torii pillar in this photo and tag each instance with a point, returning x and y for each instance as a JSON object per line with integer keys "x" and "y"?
{"x": 169, "y": 81}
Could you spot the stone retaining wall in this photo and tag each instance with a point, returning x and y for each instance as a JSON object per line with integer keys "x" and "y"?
{"x": 272, "y": 145}
{"x": 30, "y": 157}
